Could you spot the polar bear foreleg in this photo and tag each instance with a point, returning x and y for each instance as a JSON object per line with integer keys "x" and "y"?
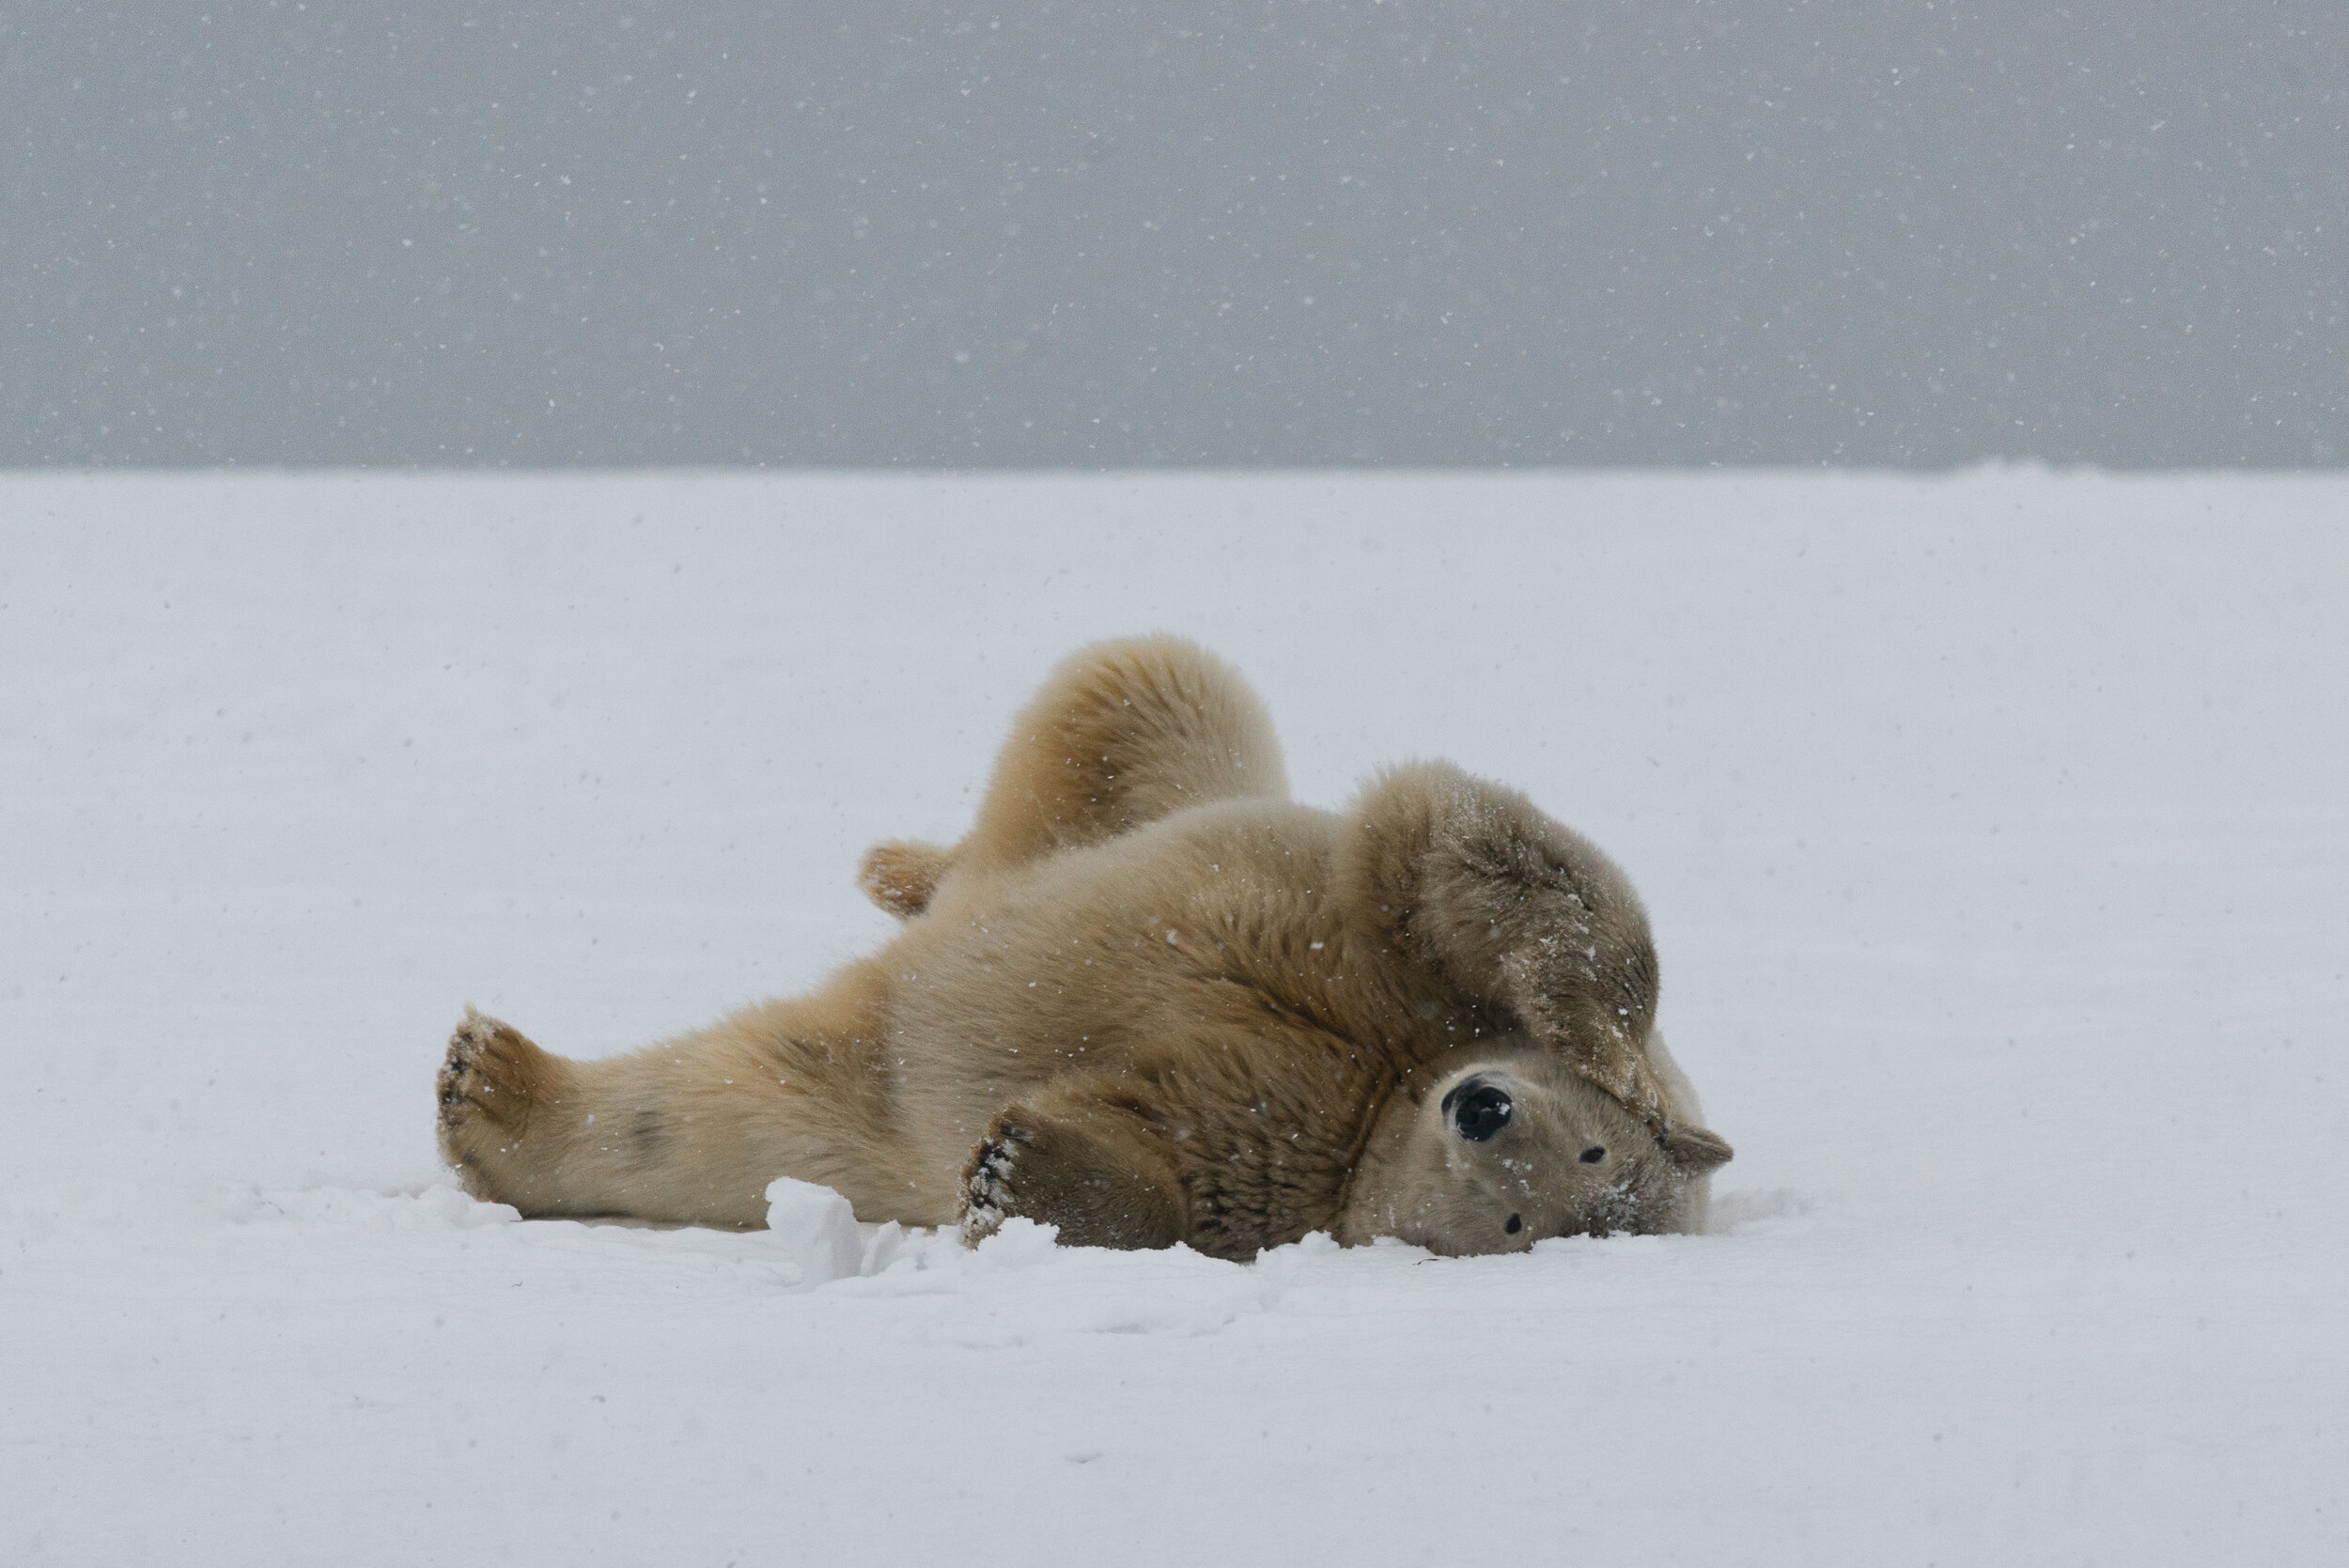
{"x": 1072, "y": 1159}
{"x": 1513, "y": 907}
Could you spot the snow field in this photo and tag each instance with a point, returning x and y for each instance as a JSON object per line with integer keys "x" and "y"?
{"x": 1994, "y": 828}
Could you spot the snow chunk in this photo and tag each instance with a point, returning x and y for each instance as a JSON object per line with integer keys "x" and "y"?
{"x": 816, "y": 1229}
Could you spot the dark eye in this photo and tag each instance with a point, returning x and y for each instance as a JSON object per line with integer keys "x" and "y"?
{"x": 1478, "y": 1109}
{"x": 1592, "y": 1155}
{"x": 1512, "y": 1225}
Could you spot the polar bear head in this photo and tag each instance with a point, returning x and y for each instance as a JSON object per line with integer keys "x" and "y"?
{"x": 1510, "y": 1146}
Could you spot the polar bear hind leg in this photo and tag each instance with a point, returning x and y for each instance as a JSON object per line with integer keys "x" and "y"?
{"x": 901, "y": 875}
{"x": 1121, "y": 734}
{"x": 688, "y": 1131}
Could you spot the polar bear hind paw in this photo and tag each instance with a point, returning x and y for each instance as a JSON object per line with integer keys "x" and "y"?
{"x": 489, "y": 1082}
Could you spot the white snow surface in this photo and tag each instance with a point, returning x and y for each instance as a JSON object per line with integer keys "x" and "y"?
{"x": 1994, "y": 829}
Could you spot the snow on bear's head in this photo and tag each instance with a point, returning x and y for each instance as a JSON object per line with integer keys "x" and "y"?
{"x": 1512, "y": 1146}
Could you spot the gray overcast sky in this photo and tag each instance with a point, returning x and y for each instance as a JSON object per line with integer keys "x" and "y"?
{"x": 1630, "y": 233}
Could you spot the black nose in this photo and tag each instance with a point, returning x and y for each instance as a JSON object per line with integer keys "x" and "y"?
{"x": 1477, "y": 1109}
{"x": 1592, "y": 1155}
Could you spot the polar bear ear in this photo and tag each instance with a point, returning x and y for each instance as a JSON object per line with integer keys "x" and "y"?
{"x": 1696, "y": 1149}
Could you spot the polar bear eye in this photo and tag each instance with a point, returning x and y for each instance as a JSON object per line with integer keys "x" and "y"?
{"x": 1513, "y": 1224}
{"x": 1478, "y": 1109}
{"x": 1592, "y": 1155}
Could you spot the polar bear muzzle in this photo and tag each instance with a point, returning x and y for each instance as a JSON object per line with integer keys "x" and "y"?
{"x": 1513, "y": 1147}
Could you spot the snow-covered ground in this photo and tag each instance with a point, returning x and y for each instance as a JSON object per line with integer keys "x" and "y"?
{"x": 1996, "y": 830}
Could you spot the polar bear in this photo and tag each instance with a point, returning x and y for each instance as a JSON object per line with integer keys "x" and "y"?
{"x": 1150, "y": 999}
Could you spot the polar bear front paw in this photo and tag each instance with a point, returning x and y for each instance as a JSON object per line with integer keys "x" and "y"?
{"x": 1097, "y": 1183}
{"x": 988, "y": 1198}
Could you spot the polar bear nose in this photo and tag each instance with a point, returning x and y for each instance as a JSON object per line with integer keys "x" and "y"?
{"x": 1478, "y": 1109}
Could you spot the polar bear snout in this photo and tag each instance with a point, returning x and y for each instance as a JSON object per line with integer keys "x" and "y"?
{"x": 1514, "y": 1147}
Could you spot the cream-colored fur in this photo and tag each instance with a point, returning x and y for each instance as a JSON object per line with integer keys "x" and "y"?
{"x": 1150, "y": 999}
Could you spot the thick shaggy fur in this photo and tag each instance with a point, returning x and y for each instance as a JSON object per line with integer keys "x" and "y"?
{"x": 1150, "y": 999}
